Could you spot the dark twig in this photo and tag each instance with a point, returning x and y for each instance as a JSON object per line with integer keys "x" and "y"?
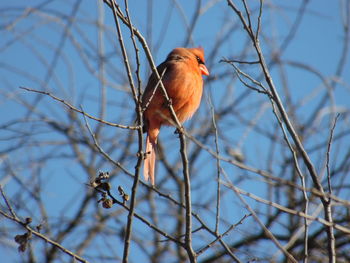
{"x": 219, "y": 237}
{"x": 262, "y": 225}
{"x": 13, "y": 217}
{"x": 286, "y": 120}
{"x": 302, "y": 179}
{"x": 128, "y": 230}
{"x": 255, "y": 82}
{"x": 186, "y": 174}
{"x": 188, "y": 236}
{"x": 99, "y": 148}
{"x": 239, "y": 61}
{"x": 286, "y": 209}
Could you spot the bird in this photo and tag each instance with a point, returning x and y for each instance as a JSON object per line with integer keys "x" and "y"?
{"x": 181, "y": 75}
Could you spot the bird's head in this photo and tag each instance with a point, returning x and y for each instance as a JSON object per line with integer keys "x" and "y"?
{"x": 195, "y": 55}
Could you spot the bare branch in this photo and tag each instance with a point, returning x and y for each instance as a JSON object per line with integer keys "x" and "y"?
{"x": 14, "y": 218}
{"x": 80, "y": 111}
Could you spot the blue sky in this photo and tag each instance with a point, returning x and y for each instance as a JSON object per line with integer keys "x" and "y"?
{"x": 25, "y": 60}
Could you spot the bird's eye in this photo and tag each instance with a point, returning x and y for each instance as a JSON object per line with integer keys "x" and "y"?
{"x": 199, "y": 60}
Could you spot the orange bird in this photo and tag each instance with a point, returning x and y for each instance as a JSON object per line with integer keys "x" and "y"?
{"x": 183, "y": 82}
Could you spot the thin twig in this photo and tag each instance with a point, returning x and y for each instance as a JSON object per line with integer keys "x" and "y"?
{"x": 137, "y": 57}
{"x": 188, "y": 237}
{"x": 7, "y": 203}
{"x": 239, "y": 61}
{"x": 13, "y": 217}
{"x": 219, "y": 237}
{"x": 128, "y": 230}
{"x": 218, "y": 192}
{"x": 240, "y": 72}
{"x": 197, "y": 217}
{"x": 331, "y": 241}
{"x": 186, "y": 174}
{"x": 302, "y": 179}
{"x": 248, "y": 16}
{"x": 265, "y": 174}
{"x": 259, "y": 19}
{"x": 101, "y": 66}
{"x": 286, "y": 120}
{"x": 154, "y": 90}
{"x": 262, "y": 225}
{"x": 81, "y": 111}
{"x": 145, "y": 221}
{"x": 99, "y": 148}
{"x": 328, "y": 154}
{"x": 287, "y": 210}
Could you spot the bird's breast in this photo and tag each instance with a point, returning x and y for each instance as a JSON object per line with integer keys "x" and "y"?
{"x": 185, "y": 92}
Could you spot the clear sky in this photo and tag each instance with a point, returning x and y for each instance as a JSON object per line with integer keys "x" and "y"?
{"x": 35, "y": 52}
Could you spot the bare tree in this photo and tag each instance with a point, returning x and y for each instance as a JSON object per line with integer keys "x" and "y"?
{"x": 260, "y": 173}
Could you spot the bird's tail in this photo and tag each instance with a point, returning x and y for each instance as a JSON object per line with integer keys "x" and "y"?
{"x": 150, "y": 161}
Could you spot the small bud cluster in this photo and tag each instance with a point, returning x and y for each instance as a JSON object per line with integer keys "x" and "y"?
{"x": 101, "y": 184}
{"x": 23, "y": 240}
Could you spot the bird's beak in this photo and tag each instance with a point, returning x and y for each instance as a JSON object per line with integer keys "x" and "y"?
{"x": 204, "y": 69}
